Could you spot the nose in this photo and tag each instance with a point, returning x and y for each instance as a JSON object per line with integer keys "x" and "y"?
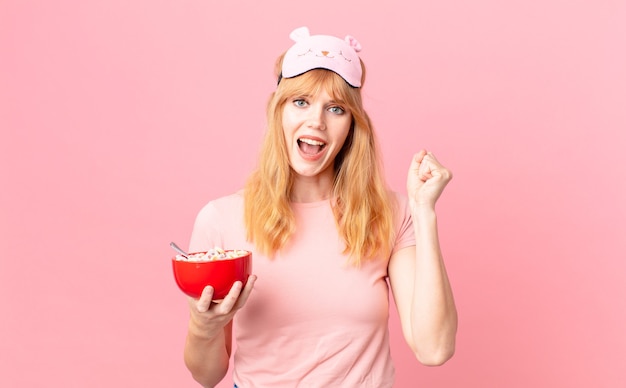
{"x": 315, "y": 120}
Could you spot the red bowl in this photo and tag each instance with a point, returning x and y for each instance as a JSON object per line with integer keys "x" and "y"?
{"x": 191, "y": 276}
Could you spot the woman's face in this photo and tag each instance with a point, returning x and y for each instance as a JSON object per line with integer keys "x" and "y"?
{"x": 315, "y": 128}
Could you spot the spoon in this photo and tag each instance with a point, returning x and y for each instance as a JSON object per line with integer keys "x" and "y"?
{"x": 180, "y": 251}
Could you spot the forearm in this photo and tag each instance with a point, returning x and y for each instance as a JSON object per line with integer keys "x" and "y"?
{"x": 206, "y": 358}
{"x": 433, "y": 313}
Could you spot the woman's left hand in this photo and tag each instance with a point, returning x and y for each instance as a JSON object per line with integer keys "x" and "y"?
{"x": 426, "y": 179}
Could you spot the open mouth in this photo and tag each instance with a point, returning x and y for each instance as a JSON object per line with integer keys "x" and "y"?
{"x": 310, "y": 146}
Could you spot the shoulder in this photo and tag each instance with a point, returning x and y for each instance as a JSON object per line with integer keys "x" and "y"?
{"x": 220, "y": 207}
{"x": 219, "y": 223}
{"x": 399, "y": 202}
{"x": 228, "y": 203}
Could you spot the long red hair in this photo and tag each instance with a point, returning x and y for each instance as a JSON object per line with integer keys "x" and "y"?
{"x": 361, "y": 201}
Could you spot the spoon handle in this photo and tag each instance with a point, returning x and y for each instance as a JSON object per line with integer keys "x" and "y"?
{"x": 177, "y": 249}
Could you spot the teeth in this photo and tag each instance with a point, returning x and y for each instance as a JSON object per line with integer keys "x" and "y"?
{"x": 312, "y": 142}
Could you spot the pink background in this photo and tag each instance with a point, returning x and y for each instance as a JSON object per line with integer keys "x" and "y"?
{"x": 120, "y": 119}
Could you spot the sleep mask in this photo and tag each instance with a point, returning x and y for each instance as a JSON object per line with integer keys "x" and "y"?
{"x": 322, "y": 52}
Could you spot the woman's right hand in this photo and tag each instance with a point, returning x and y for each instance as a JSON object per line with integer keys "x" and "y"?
{"x": 208, "y": 318}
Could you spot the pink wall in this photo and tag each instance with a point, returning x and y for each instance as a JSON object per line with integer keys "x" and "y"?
{"x": 120, "y": 119}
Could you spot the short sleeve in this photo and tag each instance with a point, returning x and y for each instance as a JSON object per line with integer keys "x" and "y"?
{"x": 405, "y": 236}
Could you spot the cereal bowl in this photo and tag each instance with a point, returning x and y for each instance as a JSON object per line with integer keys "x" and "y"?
{"x": 203, "y": 269}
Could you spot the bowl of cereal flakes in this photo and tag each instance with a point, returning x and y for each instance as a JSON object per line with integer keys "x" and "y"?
{"x": 218, "y": 268}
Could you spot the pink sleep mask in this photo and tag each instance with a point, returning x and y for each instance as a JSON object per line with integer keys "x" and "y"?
{"x": 323, "y": 52}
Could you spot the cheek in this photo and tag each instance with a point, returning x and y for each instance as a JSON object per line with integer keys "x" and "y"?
{"x": 345, "y": 129}
{"x": 289, "y": 121}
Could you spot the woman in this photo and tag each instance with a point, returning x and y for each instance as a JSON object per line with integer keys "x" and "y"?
{"x": 325, "y": 233}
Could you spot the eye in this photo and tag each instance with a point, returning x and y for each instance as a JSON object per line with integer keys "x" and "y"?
{"x": 300, "y": 102}
{"x": 337, "y": 110}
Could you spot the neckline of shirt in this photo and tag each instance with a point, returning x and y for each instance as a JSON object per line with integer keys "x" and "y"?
{"x": 313, "y": 204}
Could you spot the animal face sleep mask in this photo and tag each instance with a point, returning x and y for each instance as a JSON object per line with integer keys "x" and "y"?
{"x": 323, "y": 52}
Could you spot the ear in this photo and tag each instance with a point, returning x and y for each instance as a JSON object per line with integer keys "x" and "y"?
{"x": 299, "y": 34}
{"x": 356, "y": 46}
